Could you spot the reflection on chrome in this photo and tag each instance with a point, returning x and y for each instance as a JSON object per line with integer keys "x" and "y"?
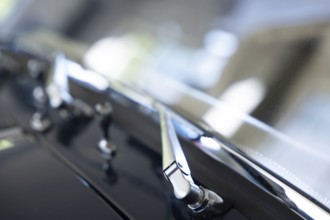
{"x": 215, "y": 148}
{"x": 209, "y": 143}
{"x": 75, "y": 71}
{"x": 288, "y": 195}
{"x": 58, "y": 83}
{"x": 177, "y": 172}
{"x": 275, "y": 150}
{"x": 212, "y": 146}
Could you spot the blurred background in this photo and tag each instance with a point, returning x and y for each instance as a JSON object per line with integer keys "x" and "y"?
{"x": 253, "y": 71}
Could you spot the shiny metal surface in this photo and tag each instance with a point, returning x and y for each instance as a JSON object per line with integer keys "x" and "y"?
{"x": 105, "y": 146}
{"x": 197, "y": 198}
{"x": 303, "y": 205}
{"x": 73, "y": 142}
{"x": 172, "y": 150}
{"x": 295, "y": 200}
{"x": 58, "y": 84}
{"x": 253, "y": 74}
{"x": 39, "y": 122}
{"x": 176, "y": 170}
{"x": 216, "y": 147}
{"x": 257, "y": 80}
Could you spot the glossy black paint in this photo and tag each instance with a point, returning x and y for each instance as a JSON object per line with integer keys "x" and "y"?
{"x": 132, "y": 183}
{"x": 34, "y": 185}
{"x": 247, "y": 197}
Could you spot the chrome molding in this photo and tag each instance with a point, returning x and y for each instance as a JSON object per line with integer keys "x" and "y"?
{"x": 297, "y": 202}
{"x": 212, "y": 146}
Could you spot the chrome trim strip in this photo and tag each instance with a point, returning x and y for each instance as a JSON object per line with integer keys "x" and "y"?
{"x": 297, "y": 202}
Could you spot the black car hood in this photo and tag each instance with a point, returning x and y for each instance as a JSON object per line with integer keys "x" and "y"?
{"x": 35, "y": 185}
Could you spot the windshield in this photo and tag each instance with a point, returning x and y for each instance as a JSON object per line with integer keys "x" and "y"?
{"x": 254, "y": 72}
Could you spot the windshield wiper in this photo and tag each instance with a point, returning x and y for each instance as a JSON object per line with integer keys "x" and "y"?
{"x": 177, "y": 172}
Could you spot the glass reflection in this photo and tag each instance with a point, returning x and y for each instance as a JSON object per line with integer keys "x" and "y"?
{"x": 260, "y": 92}
{"x": 223, "y": 121}
{"x": 255, "y": 72}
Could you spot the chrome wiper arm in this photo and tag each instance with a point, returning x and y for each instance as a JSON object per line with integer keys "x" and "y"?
{"x": 58, "y": 82}
{"x": 177, "y": 172}
{"x": 175, "y": 166}
{"x": 58, "y": 88}
{"x": 172, "y": 150}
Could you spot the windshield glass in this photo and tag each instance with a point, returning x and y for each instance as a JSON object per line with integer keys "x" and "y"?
{"x": 263, "y": 85}
{"x": 254, "y": 72}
